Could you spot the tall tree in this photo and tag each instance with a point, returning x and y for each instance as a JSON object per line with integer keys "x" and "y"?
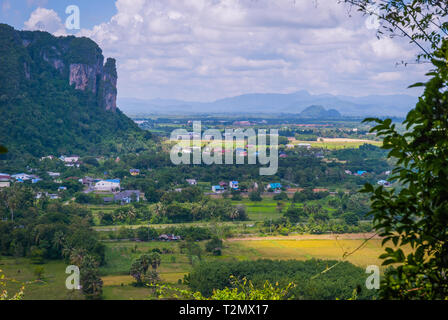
{"x": 417, "y": 214}
{"x": 91, "y": 283}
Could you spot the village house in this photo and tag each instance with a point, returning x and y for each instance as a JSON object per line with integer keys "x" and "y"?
{"x": 71, "y": 159}
{"x": 169, "y": 237}
{"x": 218, "y": 189}
{"x": 22, "y": 176}
{"x": 71, "y": 165}
{"x": 110, "y": 185}
{"x": 234, "y": 185}
{"x": 304, "y": 145}
{"x": 87, "y": 181}
{"x": 384, "y": 183}
{"x": 192, "y": 182}
{"x": 51, "y": 196}
{"x": 54, "y": 174}
{"x": 134, "y": 172}
{"x": 274, "y": 186}
{"x": 5, "y": 180}
{"x": 127, "y": 196}
{"x": 36, "y": 180}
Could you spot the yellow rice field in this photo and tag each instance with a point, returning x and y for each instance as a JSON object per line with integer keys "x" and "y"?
{"x": 319, "y": 249}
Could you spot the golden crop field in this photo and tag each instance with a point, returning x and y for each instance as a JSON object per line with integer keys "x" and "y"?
{"x": 319, "y": 249}
{"x": 335, "y": 144}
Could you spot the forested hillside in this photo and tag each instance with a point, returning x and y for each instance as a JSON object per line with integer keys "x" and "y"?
{"x": 58, "y": 97}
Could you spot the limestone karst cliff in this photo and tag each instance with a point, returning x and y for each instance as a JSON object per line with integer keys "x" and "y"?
{"x": 78, "y": 60}
{"x": 58, "y": 95}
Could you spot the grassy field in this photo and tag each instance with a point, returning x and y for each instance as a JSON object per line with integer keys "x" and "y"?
{"x": 325, "y": 143}
{"x": 262, "y": 210}
{"x": 319, "y": 249}
{"x": 120, "y": 255}
{"x": 257, "y": 211}
{"x": 336, "y": 144}
{"x": 20, "y": 272}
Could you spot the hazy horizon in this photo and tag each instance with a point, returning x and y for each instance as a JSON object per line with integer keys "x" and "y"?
{"x": 208, "y": 50}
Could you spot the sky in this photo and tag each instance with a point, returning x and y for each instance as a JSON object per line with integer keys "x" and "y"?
{"x": 203, "y": 50}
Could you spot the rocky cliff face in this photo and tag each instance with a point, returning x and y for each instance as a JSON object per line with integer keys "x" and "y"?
{"x": 58, "y": 96}
{"x": 83, "y": 76}
{"x": 108, "y": 86}
{"x": 79, "y": 61}
{"x": 98, "y": 79}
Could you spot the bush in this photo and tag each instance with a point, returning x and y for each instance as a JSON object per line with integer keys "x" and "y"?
{"x": 213, "y": 245}
{"x": 39, "y": 272}
{"x": 37, "y": 255}
{"x": 339, "y": 283}
{"x": 281, "y": 196}
{"x": 255, "y": 196}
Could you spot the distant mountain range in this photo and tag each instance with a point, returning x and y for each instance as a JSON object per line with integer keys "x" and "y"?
{"x": 272, "y": 103}
{"x": 319, "y": 112}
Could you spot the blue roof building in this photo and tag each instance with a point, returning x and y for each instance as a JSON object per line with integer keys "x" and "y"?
{"x": 217, "y": 189}
{"x": 113, "y": 180}
{"x": 274, "y": 186}
{"x": 234, "y": 185}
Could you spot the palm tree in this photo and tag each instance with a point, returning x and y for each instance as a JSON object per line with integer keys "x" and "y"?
{"x": 132, "y": 214}
{"x": 155, "y": 260}
{"x": 119, "y": 215}
{"x": 58, "y": 240}
{"x": 77, "y": 256}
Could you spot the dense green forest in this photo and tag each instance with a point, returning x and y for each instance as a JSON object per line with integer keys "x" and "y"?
{"x": 339, "y": 283}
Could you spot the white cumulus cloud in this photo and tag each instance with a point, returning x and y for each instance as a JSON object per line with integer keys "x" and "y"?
{"x": 208, "y": 49}
{"x": 45, "y": 20}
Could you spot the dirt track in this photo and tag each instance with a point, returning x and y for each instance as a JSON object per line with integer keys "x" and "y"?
{"x": 345, "y": 236}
